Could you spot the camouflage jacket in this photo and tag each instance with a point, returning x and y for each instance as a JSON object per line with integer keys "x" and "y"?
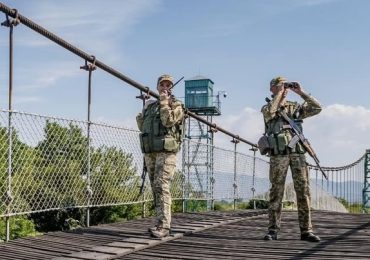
{"x": 161, "y": 124}
{"x": 169, "y": 114}
{"x": 309, "y": 108}
{"x": 277, "y": 129}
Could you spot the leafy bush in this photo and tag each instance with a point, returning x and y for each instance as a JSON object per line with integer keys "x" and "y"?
{"x": 19, "y": 226}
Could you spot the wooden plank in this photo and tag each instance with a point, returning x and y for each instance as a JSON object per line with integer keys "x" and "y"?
{"x": 209, "y": 235}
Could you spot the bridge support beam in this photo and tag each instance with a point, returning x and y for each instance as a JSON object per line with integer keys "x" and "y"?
{"x": 366, "y": 190}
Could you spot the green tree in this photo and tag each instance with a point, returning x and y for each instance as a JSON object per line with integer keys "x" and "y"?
{"x": 113, "y": 178}
{"x": 60, "y": 168}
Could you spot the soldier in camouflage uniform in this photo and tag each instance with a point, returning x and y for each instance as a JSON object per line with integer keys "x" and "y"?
{"x": 279, "y": 135}
{"x": 161, "y": 125}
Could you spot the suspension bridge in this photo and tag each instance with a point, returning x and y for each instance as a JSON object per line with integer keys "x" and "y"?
{"x": 53, "y": 164}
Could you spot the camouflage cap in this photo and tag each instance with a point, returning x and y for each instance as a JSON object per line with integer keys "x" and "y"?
{"x": 165, "y": 77}
{"x": 276, "y": 81}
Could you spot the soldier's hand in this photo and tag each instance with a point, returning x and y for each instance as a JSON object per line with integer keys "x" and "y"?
{"x": 163, "y": 92}
{"x": 280, "y": 87}
{"x": 164, "y": 99}
{"x": 298, "y": 89}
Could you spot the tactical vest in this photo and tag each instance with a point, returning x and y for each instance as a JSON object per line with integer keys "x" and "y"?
{"x": 155, "y": 137}
{"x": 279, "y": 132}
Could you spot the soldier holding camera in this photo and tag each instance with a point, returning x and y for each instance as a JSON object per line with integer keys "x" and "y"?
{"x": 283, "y": 155}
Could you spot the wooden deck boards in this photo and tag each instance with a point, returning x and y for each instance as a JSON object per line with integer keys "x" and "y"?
{"x": 210, "y": 235}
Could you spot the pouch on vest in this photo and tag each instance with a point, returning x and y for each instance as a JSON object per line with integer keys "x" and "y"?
{"x": 282, "y": 142}
{"x": 264, "y": 145}
{"x": 158, "y": 143}
{"x": 273, "y": 144}
{"x": 299, "y": 148}
{"x": 171, "y": 145}
{"x": 156, "y": 128}
{"x": 144, "y": 142}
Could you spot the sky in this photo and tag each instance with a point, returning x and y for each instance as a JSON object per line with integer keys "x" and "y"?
{"x": 239, "y": 44}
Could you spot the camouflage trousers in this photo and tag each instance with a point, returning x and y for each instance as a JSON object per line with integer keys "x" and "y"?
{"x": 278, "y": 171}
{"x": 161, "y": 167}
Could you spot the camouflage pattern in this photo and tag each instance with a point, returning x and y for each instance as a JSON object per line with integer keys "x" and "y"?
{"x": 161, "y": 165}
{"x": 309, "y": 108}
{"x": 161, "y": 168}
{"x": 278, "y": 171}
{"x": 171, "y": 112}
{"x": 279, "y": 163}
{"x": 165, "y": 77}
{"x": 277, "y": 80}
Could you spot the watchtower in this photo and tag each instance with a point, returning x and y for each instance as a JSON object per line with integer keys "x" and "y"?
{"x": 198, "y": 155}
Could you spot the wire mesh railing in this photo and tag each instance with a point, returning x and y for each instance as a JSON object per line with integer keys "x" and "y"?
{"x": 344, "y": 183}
{"x": 50, "y": 169}
{"x": 55, "y": 167}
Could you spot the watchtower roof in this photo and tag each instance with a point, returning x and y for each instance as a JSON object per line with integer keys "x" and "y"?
{"x": 199, "y": 77}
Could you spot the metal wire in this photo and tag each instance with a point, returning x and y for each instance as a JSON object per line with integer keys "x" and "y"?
{"x": 345, "y": 183}
{"x": 50, "y": 169}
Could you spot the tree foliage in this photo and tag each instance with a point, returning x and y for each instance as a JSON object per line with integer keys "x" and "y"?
{"x": 54, "y": 175}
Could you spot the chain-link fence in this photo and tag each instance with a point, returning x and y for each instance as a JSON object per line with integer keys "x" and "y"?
{"x": 52, "y": 163}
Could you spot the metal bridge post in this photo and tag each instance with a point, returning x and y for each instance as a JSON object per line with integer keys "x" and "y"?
{"x": 187, "y": 198}
{"x": 235, "y": 185}
{"x": 10, "y": 22}
{"x": 317, "y": 198}
{"x": 183, "y": 164}
{"x": 366, "y": 189}
{"x": 253, "y": 189}
{"x": 89, "y": 192}
{"x": 212, "y": 180}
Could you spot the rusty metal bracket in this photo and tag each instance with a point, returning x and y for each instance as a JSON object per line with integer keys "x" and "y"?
{"x": 89, "y": 66}
{"x": 11, "y": 22}
{"x": 144, "y": 95}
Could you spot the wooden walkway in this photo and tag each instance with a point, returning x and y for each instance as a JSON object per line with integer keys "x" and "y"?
{"x": 211, "y": 235}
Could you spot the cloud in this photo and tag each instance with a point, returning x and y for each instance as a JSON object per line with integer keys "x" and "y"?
{"x": 47, "y": 75}
{"x": 97, "y": 26}
{"x": 248, "y": 124}
{"x": 339, "y": 134}
{"x": 313, "y": 2}
{"x": 26, "y": 99}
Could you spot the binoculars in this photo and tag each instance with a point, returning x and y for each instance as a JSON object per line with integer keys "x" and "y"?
{"x": 290, "y": 84}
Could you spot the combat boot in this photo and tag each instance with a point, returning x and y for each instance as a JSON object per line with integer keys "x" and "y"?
{"x": 160, "y": 232}
{"x": 310, "y": 237}
{"x": 271, "y": 235}
{"x": 151, "y": 229}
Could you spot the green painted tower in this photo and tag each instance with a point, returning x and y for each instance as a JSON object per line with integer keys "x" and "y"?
{"x": 198, "y": 154}
{"x": 199, "y": 96}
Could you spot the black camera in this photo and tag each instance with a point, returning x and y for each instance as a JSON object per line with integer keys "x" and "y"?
{"x": 290, "y": 84}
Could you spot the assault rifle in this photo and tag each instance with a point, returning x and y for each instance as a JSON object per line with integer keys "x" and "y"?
{"x": 143, "y": 176}
{"x": 177, "y": 82}
{"x": 145, "y": 170}
{"x": 299, "y": 137}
